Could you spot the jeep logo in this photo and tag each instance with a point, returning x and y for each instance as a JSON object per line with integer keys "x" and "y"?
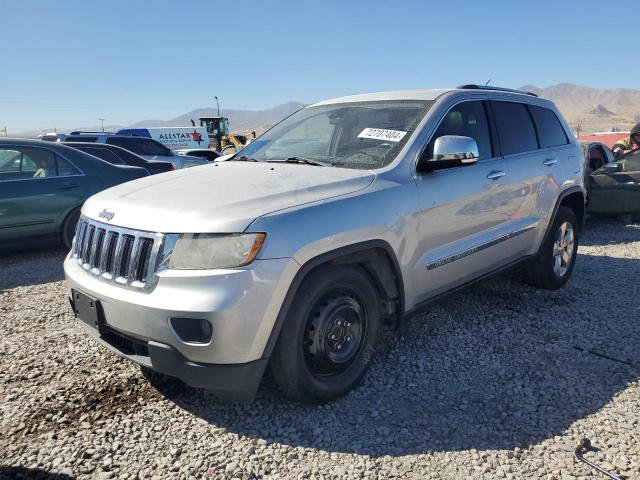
{"x": 106, "y": 214}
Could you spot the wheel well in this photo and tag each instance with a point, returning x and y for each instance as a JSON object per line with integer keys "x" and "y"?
{"x": 575, "y": 201}
{"x": 375, "y": 257}
{"x": 384, "y": 273}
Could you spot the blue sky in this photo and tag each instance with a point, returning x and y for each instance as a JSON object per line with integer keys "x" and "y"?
{"x": 68, "y": 63}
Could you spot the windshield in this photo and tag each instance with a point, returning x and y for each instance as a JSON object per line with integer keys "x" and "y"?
{"x": 364, "y": 135}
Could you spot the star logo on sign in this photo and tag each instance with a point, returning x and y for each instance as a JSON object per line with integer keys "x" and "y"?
{"x": 197, "y": 136}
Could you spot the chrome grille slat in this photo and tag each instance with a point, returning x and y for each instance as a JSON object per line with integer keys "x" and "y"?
{"x": 83, "y": 235}
{"x": 143, "y": 262}
{"x": 106, "y": 264}
{"x": 123, "y": 257}
{"x": 76, "y": 237}
{"x": 127, "y": 258}
{"x": 133, "y": 257}
{"x": 80, "y": 241}
{"x": 85, "y": 243}
{"x": 97, "y": 250}
{"x": 88, "y": 247}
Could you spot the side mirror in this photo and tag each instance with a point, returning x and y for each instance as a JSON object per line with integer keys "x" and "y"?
{"x": 451, "y": 151}
{"x": 613, "y": 167}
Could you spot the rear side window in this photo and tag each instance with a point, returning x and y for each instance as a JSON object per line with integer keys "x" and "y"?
{"x": 140, "y": 146}
{"x": 550, "y": 131}
{"x": 65, "y": 168}
{"x": 103, "y": 154}
{"x": 515, "y": 128}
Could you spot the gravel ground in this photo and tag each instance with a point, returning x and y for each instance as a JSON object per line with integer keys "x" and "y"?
{"x": 501, "y": 381}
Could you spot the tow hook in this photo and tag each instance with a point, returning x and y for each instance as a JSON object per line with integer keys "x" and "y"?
{"x": 584, "y": 447}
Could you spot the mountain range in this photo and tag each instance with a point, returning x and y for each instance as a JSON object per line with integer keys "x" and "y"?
{"x": 239, "y": 120}
{"x": 586, "y": 109}
{"x": 591, "y": 109}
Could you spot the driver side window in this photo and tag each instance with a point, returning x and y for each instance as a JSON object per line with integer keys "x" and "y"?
{"x": 467, "y": 119}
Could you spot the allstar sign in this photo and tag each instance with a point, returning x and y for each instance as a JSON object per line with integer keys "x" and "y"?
{"x": 197, "y": 136}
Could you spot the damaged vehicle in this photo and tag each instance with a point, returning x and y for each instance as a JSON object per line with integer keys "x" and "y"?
{"x": 290, "y": 254}
{"x": 614, "y": 189}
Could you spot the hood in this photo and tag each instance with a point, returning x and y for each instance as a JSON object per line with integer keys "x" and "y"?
{"x": 222, "y": 197}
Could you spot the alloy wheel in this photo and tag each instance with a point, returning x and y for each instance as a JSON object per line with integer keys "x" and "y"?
{"x": 563, "y": 249}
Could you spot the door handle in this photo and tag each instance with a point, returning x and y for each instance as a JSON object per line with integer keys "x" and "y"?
{"x": 496, "y": 174}
{"x": 67, "y": 186}
{"x": 550, "y": 161}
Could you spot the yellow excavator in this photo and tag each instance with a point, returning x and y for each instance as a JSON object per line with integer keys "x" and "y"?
{"x": 219, "y": 137}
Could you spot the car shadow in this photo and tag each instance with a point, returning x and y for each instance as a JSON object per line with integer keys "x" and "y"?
{"x": 498, "y": 366}
{"x": 34, "y": 266}
{"x": 7, "y": 473}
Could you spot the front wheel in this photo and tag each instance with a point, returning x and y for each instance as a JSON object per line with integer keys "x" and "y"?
{"x": 553, "y": 265}
{"x": 329, "y": 336}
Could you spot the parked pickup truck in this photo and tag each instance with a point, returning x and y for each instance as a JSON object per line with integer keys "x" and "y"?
{"x": 290, "y": 254}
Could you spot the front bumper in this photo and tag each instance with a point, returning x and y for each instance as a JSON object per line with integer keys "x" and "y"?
{"x": 241, "y": 305}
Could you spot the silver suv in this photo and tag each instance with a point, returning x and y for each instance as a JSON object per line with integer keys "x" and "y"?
{"x": 350, "y": 212}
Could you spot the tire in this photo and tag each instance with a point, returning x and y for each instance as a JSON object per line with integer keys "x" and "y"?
{"x": 329, "y": 336}
{"x": 551, "y": 269}
{"x": 69, "y": 227}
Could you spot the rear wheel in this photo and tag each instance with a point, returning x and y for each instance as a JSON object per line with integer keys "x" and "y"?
{"x": 554, "y": 263}
{"x": 69, "y": 227}
{"x": 328, "y": 338}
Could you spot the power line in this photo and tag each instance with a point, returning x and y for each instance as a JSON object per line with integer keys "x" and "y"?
{"x": 93, "y": 105}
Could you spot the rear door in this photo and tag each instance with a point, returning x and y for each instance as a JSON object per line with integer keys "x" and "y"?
{"x": 535, "y": 148}
{"x": 461, "y": 212}
{"x": 33, "y": 200}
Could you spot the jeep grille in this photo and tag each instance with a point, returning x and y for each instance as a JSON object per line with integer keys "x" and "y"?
{"x": 125, "y": 257}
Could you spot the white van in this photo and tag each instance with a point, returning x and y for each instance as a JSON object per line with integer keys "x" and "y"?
{"x": 174, "y": 138}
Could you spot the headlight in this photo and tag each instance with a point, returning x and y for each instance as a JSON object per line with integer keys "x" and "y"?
{"x": 203, "y": 251}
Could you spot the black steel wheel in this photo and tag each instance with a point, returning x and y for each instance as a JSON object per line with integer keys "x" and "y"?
{"x": 329, "y": 335}
{"x": 335, "y": 332}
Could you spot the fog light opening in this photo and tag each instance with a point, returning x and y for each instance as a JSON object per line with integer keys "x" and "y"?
{"x": 192, "y": 330}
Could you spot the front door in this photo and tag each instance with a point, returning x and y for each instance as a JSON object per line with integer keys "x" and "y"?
{"x": 462, "y": 210}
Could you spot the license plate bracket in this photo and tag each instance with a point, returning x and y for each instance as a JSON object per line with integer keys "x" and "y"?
{"x": 88, "y": 310}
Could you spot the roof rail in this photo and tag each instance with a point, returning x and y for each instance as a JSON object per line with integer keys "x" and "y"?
{"x": 472, "y": 86}
{"x": 82, "y": 132}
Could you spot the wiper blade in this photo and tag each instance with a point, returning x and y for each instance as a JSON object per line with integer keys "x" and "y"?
{"x": 308, "y": 161}
{"x": 243, "y": 158}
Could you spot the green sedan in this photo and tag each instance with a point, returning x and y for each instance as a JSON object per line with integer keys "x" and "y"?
{"x": 44, "y": 184}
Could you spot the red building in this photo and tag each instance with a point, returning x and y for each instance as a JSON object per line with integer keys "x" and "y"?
{"x": 608, "y": 138}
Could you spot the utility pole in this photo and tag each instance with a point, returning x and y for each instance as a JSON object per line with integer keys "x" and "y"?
{"x": 578, "y": 127}
{"x": 218, "y": 104}
{"x": 102, "y": 120}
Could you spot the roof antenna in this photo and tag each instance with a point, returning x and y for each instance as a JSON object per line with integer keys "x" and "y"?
{"x": 488, "y": 82}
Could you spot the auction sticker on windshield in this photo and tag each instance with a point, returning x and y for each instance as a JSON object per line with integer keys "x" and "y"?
{"x": 382, "y": 134}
